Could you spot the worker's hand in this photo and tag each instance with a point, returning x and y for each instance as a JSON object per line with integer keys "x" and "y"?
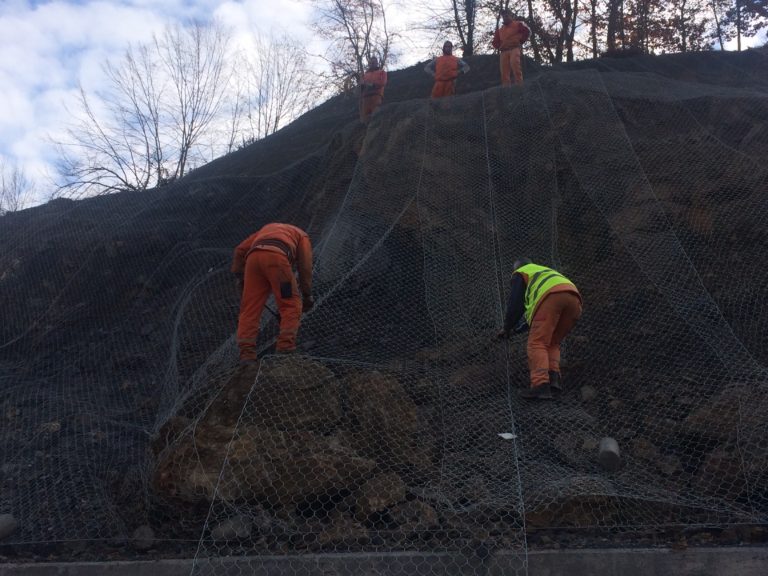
{"x": 521, "y": 328}
{"x": 502, "y": 335}
{"x": 307, "y": 302}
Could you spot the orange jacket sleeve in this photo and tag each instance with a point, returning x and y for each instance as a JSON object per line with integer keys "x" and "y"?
{"x": 304, "y": 265}
{"x": 241, "y": 251}
{"x": 496, "y": 42}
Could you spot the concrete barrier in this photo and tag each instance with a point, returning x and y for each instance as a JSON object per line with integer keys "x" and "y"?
{"x": 742, "y": 561}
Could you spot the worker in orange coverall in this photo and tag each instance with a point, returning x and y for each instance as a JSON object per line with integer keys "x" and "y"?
{"x": 263, "y": 264}
{"x": 551, "y": 306}
{"x": 372, "y": 89}
{"x": 508, "y": 40}
{"x": 445, "y": 70}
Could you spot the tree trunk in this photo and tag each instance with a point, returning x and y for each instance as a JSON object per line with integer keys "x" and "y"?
{"x": 621, "y": 24}
{"x": 469, "y": 50}
{"x": 593, "y": 30}
{"x": 718, "y": 27}
{"x": 614, "y": 24}
{"x": 738, "y": 25}
{"x": 533, "y": 40}
{"x": 572, "y": 33}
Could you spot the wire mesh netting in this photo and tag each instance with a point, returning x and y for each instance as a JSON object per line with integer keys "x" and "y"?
{"x": 397, "y": 428}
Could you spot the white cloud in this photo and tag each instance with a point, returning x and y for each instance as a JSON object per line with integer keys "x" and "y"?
{"x": 47, "y": 47}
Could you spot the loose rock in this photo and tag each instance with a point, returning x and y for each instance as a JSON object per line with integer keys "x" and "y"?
{"x": 610, "y": 457}
{"x": 143, "y": 538}
{"x": 234, "y": 528}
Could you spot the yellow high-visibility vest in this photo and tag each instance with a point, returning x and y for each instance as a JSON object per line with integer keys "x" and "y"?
{"x": 540, "y": 280}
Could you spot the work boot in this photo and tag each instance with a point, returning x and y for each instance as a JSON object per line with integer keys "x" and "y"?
{"x": 285, "y": 352}
{"x": 541, "y": 392}
{"x": 556, "y": 382}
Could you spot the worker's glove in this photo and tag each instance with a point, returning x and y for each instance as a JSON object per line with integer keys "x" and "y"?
{"x": 369, "y": 86}
{"x": 502, "y": 335}
{"x": 307, "y": 302}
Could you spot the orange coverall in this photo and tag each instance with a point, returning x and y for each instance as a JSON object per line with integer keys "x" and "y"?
{"x": 372, "y": 97}
{"x": 446, "y": 71}
{"x": 556, "y": 315}
{"x": 265, "y": 261}
{"x": 508, "y": 40}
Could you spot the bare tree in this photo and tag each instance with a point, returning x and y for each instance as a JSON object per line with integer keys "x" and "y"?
{"x": 15, "y": 188}
{"x": 101, "y": 155}
{"x": 195, "y": 59}
{"x": 146, "y": 126}
{"x": 718, "y": 8}
{"x": 615, "y": 24}
{"x": 648, "y": 24}
{"x": 596, "y": 22}
{"x": 279, "y": 84}
{"x": 559, "y": 29}
{"x": 744, "y": 19}
{"x": 455, "y": 18}
{"x": 356, "y": 30}
{"x": 687, "y": 25}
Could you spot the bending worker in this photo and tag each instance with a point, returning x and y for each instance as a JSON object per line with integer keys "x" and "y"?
{"x": 508, "y": 40}
{"x": 372, "y": 89}
{"x": 263, "y": 264}
{"x": 551, "y": 305}
{"x": 445, "y": 70}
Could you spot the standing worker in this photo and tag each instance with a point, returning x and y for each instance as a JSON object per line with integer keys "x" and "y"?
{"x": 508, "y": 40}
{"x": 372, "y": 89}
{"x": 263, "y": 263}
{"x": 551, "y": 305}
{"x": 445, "y": 70}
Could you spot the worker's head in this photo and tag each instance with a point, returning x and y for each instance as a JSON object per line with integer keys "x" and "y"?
{"x": 373, "y": 63}
{"x": 507, "y": 16}
{"x": 448, "y": 48}
{"x": 522, "y": 261}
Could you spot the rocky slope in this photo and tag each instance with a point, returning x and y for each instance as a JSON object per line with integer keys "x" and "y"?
{"x": 642, "y": 179}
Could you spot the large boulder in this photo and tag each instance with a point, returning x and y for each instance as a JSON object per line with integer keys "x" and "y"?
{"x": 383, "y": 424}
{"x": 299, "y": 434}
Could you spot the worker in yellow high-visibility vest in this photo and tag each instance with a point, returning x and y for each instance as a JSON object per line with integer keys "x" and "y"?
{"x": 551, "y": 305}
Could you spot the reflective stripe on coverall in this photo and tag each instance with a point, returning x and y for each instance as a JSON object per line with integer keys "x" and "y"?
{"x": 552, "y": 308}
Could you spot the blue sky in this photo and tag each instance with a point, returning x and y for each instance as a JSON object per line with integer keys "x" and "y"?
{"x": 48, "y": 46}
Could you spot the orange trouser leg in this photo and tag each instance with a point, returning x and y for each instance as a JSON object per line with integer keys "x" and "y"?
{"x": 255, "y": 293}
{"x": 278, "y": 271}
{"x": 368, "y": 105}
{"x": 506, "y": 67}
{"x": 555, "y": 318}
{"x": 443, "y": 88}
{"x": 516, "y": 60}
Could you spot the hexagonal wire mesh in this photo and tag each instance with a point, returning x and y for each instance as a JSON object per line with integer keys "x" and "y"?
{"x": 381, "y": 437}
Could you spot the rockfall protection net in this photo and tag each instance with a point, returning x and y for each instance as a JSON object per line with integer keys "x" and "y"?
{"x": 398, "y": 427}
